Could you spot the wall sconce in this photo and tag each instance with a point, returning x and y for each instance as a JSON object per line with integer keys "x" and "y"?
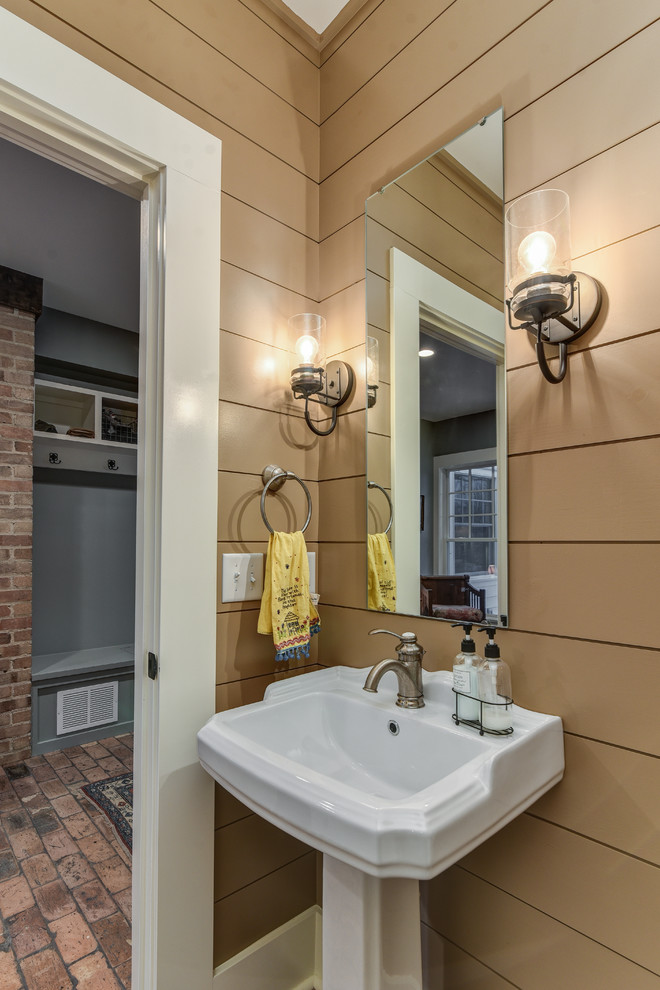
{"x": 544, "y": 295}
{"x": 310, "y": 380}
{"x": 373, "y": 371}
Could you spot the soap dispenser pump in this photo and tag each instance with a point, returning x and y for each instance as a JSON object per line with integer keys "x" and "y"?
{"x": 495, "y": 688}
{"x": 466, "y": 678}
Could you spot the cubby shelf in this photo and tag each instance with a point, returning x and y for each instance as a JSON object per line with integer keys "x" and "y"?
{"x": 110, "y": 419}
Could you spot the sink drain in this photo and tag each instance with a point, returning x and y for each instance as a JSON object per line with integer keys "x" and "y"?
{"x": 393, "y": 727}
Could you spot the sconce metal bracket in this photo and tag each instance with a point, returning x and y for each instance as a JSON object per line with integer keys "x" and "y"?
{"x": 587, "y": 300}
{"x": 338, "y": 384}
{"x": 565, "y": 327}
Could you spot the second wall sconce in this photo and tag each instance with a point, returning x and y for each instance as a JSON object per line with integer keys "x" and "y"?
{"x": 373, "y": 371}
{"x": 544, "y": 294}
{"x": 311, "y": 379}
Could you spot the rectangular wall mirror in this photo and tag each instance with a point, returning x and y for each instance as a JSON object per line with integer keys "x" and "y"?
{"x": 436, "y": 450}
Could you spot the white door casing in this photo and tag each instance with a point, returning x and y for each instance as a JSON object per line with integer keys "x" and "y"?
{"x": 63, "y": 106}
{"x": 413, "y": 289}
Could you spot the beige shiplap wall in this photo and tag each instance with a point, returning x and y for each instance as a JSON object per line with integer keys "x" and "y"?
{"x": 567, "y": 895}
{"x": 237, "y": 70}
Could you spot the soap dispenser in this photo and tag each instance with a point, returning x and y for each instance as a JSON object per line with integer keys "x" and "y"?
{"x": 466, "y": 678}
{"x": 495, "y": 688}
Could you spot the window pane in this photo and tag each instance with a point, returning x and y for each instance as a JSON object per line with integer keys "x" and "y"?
{"x": 481, "y": 532}
{"x": 472, "y": 557}
{"x": 459, "y": 505}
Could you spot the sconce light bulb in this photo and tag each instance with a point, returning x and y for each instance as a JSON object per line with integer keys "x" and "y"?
{"x": 537, "y": 252}
{"x": 426, "y": 352}
{"x": 307, "y": 348}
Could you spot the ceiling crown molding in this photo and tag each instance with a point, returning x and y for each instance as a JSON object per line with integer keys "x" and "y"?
{"x": 318, "y": 41}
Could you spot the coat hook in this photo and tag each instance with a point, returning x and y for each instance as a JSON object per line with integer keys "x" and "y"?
{"x": 112, "y": 464}
{"x": 54, "y": 458}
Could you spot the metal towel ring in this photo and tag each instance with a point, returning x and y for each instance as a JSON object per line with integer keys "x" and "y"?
{"x": 372, "y": 484}
{"x": 274, "y": 477}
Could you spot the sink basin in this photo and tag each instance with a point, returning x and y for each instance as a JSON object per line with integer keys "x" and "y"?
{"x": 389, "y": 791}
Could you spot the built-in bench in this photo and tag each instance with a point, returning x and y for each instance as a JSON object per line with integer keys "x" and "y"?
{"x": 81, "y": 696}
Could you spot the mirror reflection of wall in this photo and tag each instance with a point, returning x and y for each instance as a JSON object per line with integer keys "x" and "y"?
{"x": 437, "y": 433}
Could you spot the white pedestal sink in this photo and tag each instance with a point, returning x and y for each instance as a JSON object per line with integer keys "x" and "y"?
{"x": 390, "y": 796}
{"x": 371, "y": 930}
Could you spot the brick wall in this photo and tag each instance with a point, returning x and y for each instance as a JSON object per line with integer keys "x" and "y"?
{"x": 20, "y": 304}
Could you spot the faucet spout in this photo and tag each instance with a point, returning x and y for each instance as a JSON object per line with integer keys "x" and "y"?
{"x": 407, "y": 667}
{"x": 410, "y": 693}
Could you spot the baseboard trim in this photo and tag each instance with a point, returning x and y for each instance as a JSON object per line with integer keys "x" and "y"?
{"x": 285, "y": 959}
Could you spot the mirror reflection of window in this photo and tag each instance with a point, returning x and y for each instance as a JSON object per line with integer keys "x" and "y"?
{"x": 471, "y": 525}
{"x": 468, "y": 535}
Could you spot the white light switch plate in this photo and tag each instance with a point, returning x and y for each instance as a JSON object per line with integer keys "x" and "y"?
{"x": 242, "y": 576}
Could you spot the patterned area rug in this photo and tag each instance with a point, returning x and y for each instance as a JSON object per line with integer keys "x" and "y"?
{"x": 115, "y": 798}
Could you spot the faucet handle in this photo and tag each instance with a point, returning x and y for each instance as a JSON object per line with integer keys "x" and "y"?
{"x": 406, "y": 637}
{"x": 408, "y": 644}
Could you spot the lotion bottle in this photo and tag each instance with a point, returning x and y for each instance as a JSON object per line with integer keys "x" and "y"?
{"x": 466, "y": 678}
{"x": 495, "y": 688}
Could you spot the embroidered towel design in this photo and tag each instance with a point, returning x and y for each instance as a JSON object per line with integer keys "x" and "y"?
{"x": 286, "y": 608}
{"x": 382, "y": 576}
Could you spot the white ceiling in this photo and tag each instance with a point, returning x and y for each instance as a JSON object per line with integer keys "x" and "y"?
{"x": 317, "y": 13}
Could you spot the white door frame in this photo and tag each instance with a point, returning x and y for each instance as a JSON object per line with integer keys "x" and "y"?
{"x": 68, "y": 109}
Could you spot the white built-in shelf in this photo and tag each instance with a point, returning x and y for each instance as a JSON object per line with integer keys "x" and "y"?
{"x": 110, "y": 419}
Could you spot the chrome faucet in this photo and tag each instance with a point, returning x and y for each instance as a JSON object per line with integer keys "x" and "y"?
{"x": 407, "y": 667}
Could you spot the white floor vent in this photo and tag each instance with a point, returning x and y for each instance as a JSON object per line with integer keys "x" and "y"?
{"x": 87, "y": 707}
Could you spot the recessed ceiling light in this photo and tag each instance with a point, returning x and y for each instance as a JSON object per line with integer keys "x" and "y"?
{"x": 426, "y": 352}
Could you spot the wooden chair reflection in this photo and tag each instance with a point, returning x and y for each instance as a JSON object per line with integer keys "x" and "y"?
{"x": 451, "y": 596}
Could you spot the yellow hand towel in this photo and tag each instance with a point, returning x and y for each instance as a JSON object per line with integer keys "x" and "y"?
{"x": 382, "y": 576}
{"x": 286, "y": 609}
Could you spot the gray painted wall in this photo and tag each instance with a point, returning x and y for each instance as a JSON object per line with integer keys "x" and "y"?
{"x": 83, "y": 560}
{"x": 82, "y": 341}
{"x": 82, "y": 238}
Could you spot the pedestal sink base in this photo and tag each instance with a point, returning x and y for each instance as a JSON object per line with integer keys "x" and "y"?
{"x": 371, "y": 930}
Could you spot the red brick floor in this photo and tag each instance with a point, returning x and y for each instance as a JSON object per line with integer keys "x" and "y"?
{"x": 65, "y": 877}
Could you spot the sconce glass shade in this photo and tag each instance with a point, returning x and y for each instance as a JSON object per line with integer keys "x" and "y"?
{"x": 372, "y": 370}
{"x": 307, "y": 346}
{"x": 538, "y": 255}
{"x": 307, "y": 336}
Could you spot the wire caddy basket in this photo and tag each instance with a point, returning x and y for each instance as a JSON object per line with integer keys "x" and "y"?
{"x": 478, "y": 723}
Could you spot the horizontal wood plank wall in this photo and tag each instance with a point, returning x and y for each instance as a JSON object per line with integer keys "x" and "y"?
{"x": 236, "y": 70}
{"x": 566, "y": 894}
{"x": 396, "y": 84}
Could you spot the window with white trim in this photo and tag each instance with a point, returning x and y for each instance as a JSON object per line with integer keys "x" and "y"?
{"x": 470, "y": 518}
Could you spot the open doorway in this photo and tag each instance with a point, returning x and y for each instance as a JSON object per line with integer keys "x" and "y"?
{"x": 78, "y": 114}
{"x": 69, "y": 833}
